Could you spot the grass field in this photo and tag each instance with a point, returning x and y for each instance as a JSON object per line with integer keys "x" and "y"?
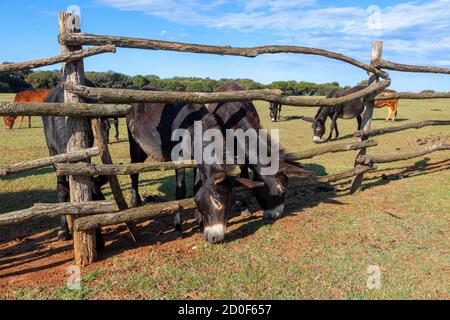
{"x": 322, "y": 248}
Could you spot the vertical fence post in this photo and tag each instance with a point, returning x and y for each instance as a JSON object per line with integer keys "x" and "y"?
{"x": 377, "y": 51}
{"x": 78, "y": 128}
{"x": 105, "y": 155}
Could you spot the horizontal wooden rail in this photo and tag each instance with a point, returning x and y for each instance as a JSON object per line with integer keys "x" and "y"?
{"x": 417, "y": 125}
{"x": 129, "y": 96}
{"x": 171, "y": 207}
{"x": 69, "y": 57}
{"x": 369, "y": 159}
{"x": 45, "y": 162}
{"x": 412, "y": 95}
{"x": 57, "y": 209}
{"x": 126, "y": 42}
{"x": 63, "y": 109}
{"x": 330, "y": 148}
{"x": 87, "y": 169}
{"x": 384, "y": 64}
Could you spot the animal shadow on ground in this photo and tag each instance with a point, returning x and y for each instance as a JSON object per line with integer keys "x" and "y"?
{"x": 36, "y": 172}
{"x": 290, "y": 118}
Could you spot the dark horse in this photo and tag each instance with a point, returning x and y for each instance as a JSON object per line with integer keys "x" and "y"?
{"x": 275, "y": 111}
{"x": 348, "y": 110}
{"x": 57, "y": 136}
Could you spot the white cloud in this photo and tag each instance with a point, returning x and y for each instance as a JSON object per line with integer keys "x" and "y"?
{"x": 277, "y": 5}
{"x": 417, "y": 28}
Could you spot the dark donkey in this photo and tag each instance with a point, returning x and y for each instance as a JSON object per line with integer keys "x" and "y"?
{"x": 216, "y": 193}
{"x": 275, "y": 111}
{"x": 57, "y": 137}
{"x": 349, "y": 110}
{"x": 150, "y": 127}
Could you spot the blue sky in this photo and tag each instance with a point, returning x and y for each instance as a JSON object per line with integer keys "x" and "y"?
{"x": 413, "y": 32}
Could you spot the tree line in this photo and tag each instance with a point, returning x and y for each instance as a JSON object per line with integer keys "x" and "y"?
{"x": 35, "y": 80}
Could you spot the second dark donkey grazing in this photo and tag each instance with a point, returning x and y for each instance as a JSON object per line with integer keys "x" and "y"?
{"x": 349, "y": 110}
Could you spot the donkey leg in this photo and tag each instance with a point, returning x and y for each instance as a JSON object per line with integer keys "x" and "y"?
{"x": 137, "y": 155}
{"x": 332, "y": 128}
{"x": 180, "y": 193}
{"x": 359, "y": 119}
{"x": 62, "y": 188}
{"x": 196, "y": 186}
{"x": 97, "y": 195}
{"x": 116, "y": 126}
{"x": 29, "y": 122}
{"x": 337, "y": 131}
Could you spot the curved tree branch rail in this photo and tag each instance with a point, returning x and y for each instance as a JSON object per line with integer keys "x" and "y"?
{"x": 63, "y": 109}
{"x": 384, "y": 64}
{"x": 136, "y": 43}
{"x": 45, "y": 162}
{"x": 412, "y": 95}
{"x": 127, "y": 95}
{"x": 68, "y": 57}
{"x": 87, "y": 169}
{"x": 417, "y": 125}
{"x": 40, "y": 210}
{"x": 368, "y": 159}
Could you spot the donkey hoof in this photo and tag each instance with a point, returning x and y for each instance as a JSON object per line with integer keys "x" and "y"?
{"x": 271, "y": 215}
{"x": 64, "y": 236}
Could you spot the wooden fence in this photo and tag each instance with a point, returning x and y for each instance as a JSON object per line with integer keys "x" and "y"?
{"x": 88, "y": 215}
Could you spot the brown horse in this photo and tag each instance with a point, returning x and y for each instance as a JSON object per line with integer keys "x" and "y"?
{"x": 26, "y": 96}
{"x": 391, "y": 104}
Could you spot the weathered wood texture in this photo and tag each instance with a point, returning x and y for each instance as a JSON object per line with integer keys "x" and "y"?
{"x": 417, "y": 125}
{"x": 105, "y": 155}
{"x": 171, "y": 207}
{"x": 67, "y": 57}
{"x": 85, "y": 169}
{"x": 384, "y": 64}
{"x": 63, "y": 109}
{"x": 45, "y": 162}
{"x": 412, "y": 95}
{"x": 377, "y": 51}
{"x": 126, "y": 42}
{"x": 40, "y": 210}
{"x": 78, "y": 128}
{"x": 369, "y": 159}
{"x": 129, "y": 96}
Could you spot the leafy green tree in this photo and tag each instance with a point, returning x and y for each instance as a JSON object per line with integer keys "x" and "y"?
{"x": 14, "y": 81}
{"x": 43, "y": 79}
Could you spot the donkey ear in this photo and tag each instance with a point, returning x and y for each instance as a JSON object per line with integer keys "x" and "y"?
{"x": 218, "y": 178}
{"x": 295, "y": 170}
{"x": 247, "y": 183}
